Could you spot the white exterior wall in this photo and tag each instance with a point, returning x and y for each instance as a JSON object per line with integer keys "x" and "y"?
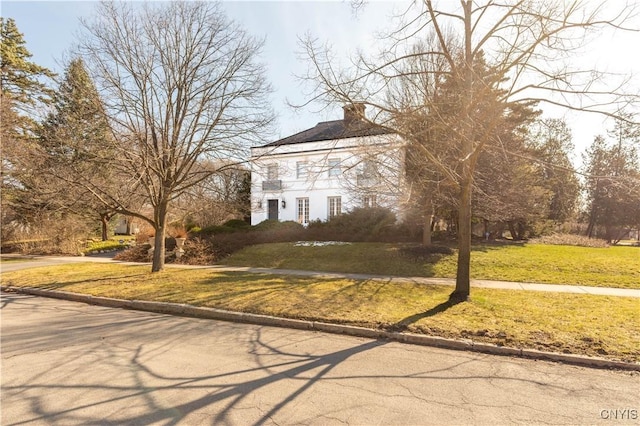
{"x": 318, "y": 185}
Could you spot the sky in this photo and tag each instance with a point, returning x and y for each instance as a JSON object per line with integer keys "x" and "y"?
{"x": 50, "y": 29}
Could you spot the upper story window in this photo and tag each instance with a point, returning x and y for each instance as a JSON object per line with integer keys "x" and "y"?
{"x": 334, "y": 167}
{"x": 272, "y": 172}
{"x": 302, "y": 169}
{"x": 369, "y": 169}
{"x": 368, "y": 174}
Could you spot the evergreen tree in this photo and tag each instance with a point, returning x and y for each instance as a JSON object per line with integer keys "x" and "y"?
{"x": 20, "y": 79}
{"x": 551, "y": 144}
{"x": 77, "y": 129}
{"x": 76, "y": 148}
{"x": 22, "y": 91}
{"x": 505, "y": 187}
{"x": 612, "y": 186}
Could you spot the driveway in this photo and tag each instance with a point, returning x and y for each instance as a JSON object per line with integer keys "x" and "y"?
{"x": 70, "y": 363}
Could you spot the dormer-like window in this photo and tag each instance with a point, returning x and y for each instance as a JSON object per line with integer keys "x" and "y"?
{"x": 272, "y": 172}
{"x": 334, "y": 167}
{"x": 302, "y": 169}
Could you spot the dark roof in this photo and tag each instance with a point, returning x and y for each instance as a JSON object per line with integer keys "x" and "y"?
{"x": 329, "y": 130}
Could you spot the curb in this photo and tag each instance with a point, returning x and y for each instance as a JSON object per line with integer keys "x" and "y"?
{"x": 180, "y": 309}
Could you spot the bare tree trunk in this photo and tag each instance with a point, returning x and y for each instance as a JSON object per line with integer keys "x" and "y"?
{"x": 161, "y": 230}
{"x": 428, "y": 221}
{"x": 592, "y": 223}
{"x": 463, "y": 283}
{"x": 426, "y": 231}
{"x": 104, "y": 222}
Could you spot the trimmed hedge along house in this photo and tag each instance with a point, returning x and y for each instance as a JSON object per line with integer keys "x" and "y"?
{"x": 327, "y": 170}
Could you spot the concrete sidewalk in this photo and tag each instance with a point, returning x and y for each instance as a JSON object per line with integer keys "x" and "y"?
{"x": 475, "y": 283}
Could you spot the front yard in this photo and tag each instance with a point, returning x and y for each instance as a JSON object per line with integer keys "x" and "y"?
{"x": 580, "y": 324}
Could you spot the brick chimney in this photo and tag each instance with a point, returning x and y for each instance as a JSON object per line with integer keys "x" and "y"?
{"x": 353, "y": 112}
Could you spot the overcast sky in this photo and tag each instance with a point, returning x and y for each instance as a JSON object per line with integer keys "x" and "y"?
{"x": 50, "y": 28}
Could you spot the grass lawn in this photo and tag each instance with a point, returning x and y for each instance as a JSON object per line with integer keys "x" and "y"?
{"x": 601, "y": 267}
{"x": 111, "y": 244}
{"x": 582, "y": 324}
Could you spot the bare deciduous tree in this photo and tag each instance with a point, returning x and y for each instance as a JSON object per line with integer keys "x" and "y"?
{"x": 501, "y": 56}
{"x": 221, "y": 197}
{"x": 181, "y": 83}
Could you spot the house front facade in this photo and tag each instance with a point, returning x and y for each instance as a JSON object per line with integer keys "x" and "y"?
{"x": 327, "y": 170}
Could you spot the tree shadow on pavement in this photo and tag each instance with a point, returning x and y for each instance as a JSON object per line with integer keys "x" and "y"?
{"x": 142, "y": 355}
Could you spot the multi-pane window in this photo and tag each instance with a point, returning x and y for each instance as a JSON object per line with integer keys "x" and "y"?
{"x": 335, "y": 206}
{"x": 303, "y": 210}
{"x": 302, "y": 169}
{"x": 369, "y": 169}
{"x": 272, "y": 172}
{"x": 334, "y": 167}
{"x": 369, "y": 201}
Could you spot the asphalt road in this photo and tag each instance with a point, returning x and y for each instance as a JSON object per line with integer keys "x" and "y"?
{"x": 69, "y": 363}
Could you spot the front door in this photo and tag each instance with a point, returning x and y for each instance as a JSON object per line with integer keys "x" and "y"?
{"x": 273, "y": 210}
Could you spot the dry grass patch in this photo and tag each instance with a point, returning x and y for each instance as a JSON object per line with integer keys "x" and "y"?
{"x": 581, "y": 324}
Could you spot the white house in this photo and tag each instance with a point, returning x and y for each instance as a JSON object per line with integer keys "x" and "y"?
{"x": 326, "y": 170}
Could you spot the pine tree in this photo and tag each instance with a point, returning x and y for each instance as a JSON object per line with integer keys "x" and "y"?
{"x": 613, "y": 197}
{"x": 22, "y": 91}
{"x": 75, "y": 141}
{"x": 20, "y": 79}
{"x": 551, "y": 143}
{"x": 77, "y": 129}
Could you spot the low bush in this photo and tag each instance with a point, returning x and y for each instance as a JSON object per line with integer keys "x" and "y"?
{"x": 361, "y": 225}
{"x": 236, "y": 224}
{"x": 364, "y": 224}
{"x": 53, "y": 236}
{"x": 569, "y": 240}
{"x": 226, "y": 244}
{"x": 137, "y": 253}
{"x": 208, "y": 231}
{"x": 214, "y": 243}
{"x": 197, "y": 251}
{"x": 270, "y": 225}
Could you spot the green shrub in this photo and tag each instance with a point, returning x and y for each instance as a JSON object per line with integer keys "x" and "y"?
{"x": 360, "y": 224}
{"x": 266, "y": 225}
{"x": 236, "y": 224}
{"x": 216, "y": 229}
